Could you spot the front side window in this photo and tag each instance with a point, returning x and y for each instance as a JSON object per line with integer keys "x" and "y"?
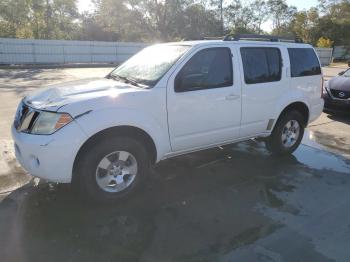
{"x": 261, "y": 64}
{"x": 149, "y": 65}
{"x": 303, "y": 62}
{"x": 209, "y": 68}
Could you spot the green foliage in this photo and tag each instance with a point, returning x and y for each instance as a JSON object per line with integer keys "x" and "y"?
{"x": 47, "y": 19}
{"x": 168, "y": 20}
{"x": 305, "y": 25}
{"x": 140, "y": 20}
{"x": 324, "y": 42}
{"x": 281, "y": 15}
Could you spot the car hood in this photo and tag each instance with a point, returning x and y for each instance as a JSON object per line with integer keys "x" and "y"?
{"x": 56, "y": 96}
{"x": 339, "y": 83}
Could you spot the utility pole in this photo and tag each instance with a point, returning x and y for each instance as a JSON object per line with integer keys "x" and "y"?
{"x": 222, "y": 17}
{"x": 48, "y": 14}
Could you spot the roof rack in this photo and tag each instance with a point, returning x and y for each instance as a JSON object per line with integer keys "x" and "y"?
{"x": 254, "y": 37}
{"x": 213, "y": 37}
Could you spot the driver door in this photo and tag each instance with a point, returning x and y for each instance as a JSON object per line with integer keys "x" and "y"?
{"x": 204, "y": 101}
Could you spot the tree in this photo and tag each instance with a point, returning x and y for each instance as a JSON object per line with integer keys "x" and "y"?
{"x": 38, "y": 18}
{"x": 200, "y": 22}
{"x": 335, "y": 24}
{"x": 219, "y": 4}
{"x": 260, "y": 13}
{"x": 14, "y": 18}
{"x": 281, "y": 15}
{"x": 168, "y": 20}
{"x": 240, "y": 18}
{"x": 305, "y": 25}
{"x": 247, "y": 18}
{"x": 155, "y": 20}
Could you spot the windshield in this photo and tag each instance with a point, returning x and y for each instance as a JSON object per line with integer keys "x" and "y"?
{"x": 148, "y": 66}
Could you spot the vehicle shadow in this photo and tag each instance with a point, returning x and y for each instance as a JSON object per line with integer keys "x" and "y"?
{"x": 11, "y": 74}
{"x": 340, "y": 117}
{"x": 24, "y": 80}
{"x": 196, "y": 208}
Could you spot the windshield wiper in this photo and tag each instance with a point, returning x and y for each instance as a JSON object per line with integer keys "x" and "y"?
{"x": 124, "y": 79}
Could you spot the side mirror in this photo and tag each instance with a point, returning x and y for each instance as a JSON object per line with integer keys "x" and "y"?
{"x": 189, "y": 82}
{"x": 341, "y": 73}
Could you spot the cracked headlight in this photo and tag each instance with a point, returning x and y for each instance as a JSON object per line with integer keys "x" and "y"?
{"x": 48, "y": 123}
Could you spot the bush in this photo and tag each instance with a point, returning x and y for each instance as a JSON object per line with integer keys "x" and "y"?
{"x": 325, "y": 42}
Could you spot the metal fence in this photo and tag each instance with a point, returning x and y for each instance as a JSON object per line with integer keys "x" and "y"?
{"x": 29, "y": 51}
{"x": 325, "y": 55}
{"x": 341, "y": 53}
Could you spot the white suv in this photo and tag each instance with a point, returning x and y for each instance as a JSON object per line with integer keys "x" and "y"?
{"x": 169, "y": 99}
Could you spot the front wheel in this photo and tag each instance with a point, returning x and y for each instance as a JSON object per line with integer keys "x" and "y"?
{"x": 287, "y": 134}
{"x": 112, "y": 168}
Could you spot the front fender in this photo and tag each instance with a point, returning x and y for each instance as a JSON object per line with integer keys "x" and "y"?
{"x": 99, "y": 120}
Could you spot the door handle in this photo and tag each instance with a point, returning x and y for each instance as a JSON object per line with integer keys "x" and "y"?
{"x": 233, "y": 97}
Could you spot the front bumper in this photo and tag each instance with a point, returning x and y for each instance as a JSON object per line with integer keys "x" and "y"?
{"x": 50, "y": 157}
{"x": 336, "y": 105}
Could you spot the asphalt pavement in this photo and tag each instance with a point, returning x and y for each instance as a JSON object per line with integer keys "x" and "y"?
{"x": 235, "y": 203}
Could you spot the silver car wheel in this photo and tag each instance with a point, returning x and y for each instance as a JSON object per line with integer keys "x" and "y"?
{"x": 116, "y": 171}
{"x": 290, "y": 133}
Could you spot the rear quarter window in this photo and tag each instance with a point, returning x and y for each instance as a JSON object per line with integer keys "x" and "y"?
{"x": 303, "y": 62}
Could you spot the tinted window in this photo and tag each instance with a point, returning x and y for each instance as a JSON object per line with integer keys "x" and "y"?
{"x": 303, "y": 62}
{"x": 261, "y": 64}
{"x": 209, "y": 68}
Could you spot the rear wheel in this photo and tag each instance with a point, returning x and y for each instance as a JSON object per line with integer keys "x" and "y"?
{"x": 287, "y": 134}
{"x": 112, "y": 168}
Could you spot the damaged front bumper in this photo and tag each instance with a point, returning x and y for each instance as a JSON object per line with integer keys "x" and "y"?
{"x": 50, "y": 157}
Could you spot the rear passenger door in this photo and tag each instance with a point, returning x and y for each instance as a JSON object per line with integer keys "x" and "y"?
{"x": 264, "y": 80}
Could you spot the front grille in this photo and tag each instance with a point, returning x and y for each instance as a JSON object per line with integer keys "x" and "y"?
{"x": 340, "y": 94}
{"x": 25, "y": 118}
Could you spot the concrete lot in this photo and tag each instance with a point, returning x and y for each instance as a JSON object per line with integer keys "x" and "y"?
{"x": 230, "y": 204}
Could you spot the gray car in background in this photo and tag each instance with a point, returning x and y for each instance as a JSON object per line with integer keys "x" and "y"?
{"x": 336, "y": 93}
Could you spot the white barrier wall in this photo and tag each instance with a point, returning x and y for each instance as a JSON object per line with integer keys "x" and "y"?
{"x": 325, "y": 55}
{"x": 30, "y": 51}
{"x": 341, "y": 53}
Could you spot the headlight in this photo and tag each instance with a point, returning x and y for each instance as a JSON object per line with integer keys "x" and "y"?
{"x": 49, "y": 122}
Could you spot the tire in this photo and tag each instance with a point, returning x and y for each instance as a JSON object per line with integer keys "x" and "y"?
{"x": 102, "y": 171}
{"x": 283, "y": 140}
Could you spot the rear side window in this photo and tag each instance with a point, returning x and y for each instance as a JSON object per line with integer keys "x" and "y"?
{"x": 261, "y": 64}
{"x": 303, "y": 62}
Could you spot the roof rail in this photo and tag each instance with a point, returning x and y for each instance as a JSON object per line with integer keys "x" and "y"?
{"x": 255, "y": 37}
{"x": 213, "y": 37}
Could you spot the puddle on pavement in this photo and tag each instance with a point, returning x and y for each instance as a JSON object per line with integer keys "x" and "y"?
{"x": 324, "y": 140}
{"x": 199, "y": 207}
{"x": 320, "y": 158}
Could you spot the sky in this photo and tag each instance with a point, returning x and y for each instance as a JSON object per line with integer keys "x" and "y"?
{"x": 86, "y": 5}
{"x": 303, "y": 4}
